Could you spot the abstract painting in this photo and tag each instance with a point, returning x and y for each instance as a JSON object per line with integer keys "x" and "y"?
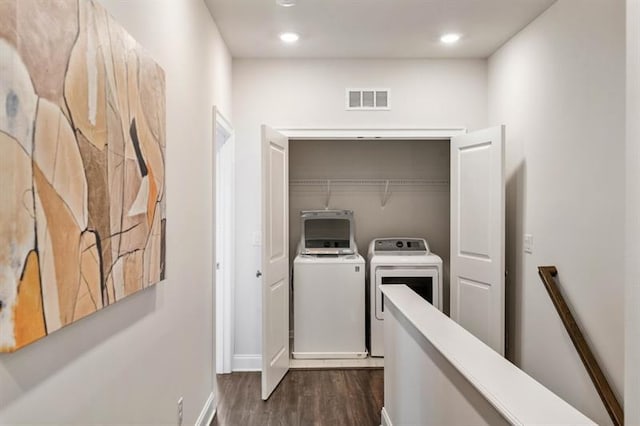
{"x": 82, "y": 166}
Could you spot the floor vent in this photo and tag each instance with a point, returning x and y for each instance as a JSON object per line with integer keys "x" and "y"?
{"x": 367, "y": 99}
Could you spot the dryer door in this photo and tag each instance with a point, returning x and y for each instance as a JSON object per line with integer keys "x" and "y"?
{"x": 423, "y": 280}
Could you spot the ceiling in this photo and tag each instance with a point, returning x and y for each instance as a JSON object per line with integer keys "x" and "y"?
{"x": 371, "y": 28}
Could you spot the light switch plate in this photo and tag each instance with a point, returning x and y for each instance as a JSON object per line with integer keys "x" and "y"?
{"x": 528, "y": 243}
{"x": 257, "y": 239}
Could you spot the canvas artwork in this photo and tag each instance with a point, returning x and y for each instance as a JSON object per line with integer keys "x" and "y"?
{"x": 82, "y": 166}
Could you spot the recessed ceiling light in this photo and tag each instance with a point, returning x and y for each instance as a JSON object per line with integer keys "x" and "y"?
{"x": 286, "y": 3}
{"x": 450, "y": 38}
{"x": 289, "y": 37}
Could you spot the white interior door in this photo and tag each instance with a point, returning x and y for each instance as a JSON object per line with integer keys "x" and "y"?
{"x": 224, "y": 242}
{"x": 275, "y": 259}
{"x": 478, "y": 234}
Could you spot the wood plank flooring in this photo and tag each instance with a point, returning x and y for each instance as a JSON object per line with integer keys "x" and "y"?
{"x": 350, "y": 397}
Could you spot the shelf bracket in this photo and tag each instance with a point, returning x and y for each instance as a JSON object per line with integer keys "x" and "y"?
{"x": 387, "y": 193}
{"x": 328, "y": 197}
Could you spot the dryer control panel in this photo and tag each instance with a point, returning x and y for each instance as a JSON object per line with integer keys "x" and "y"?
{"x": 403, "y": 245}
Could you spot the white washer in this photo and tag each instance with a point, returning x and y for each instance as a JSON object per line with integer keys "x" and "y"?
{"x": 400, "y": 261}
{"x": 328, "y": 289}
{"x": 329, "y": 307}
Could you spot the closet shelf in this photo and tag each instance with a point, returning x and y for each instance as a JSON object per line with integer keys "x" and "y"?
{"x": 384, "y": 186}
{"x": 396, "y": 183}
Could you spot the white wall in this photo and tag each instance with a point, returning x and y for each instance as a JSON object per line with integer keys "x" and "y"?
{"x": 559, "y": 88}
{"x": 310, "y": 93}
{"x": 632, "y": 313}
{"x": 129, "y": 363}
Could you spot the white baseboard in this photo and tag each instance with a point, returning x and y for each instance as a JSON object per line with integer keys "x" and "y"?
{"x": 336, "y": 363}
{"x": 244, "y": 362}
{"x": 208, "y": 412}
{"x": 330, "y": 355}
{"x": 386, "y": 421}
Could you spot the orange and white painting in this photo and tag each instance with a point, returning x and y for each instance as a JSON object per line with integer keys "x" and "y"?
{"x": 82, "y": 166}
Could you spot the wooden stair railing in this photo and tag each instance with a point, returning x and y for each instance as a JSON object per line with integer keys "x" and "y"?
{"x": 547, "y": 273}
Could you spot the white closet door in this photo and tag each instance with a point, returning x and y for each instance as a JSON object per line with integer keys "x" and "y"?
{"x": 478, "y": 234}
{"x": 275, "y": 259}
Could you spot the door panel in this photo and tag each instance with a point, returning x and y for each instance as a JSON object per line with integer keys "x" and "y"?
{"x": 477, "y": 234}
{"x": 278, "y": 303}
{"x": 276, "y": 204}
{"x": 475, "y": 200}
{"x": 275, "y": 259}
{"x": 474, "y": 297}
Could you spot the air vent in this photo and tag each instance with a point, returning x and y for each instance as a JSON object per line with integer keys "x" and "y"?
{"x": 367, "y": 99}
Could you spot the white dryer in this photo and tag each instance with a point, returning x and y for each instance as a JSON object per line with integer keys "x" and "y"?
{"x": 405, "y": 261}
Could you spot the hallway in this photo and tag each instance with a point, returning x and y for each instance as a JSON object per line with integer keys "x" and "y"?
{"x": 305, "y": 397}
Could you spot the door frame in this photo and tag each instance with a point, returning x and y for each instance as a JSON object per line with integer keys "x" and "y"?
{"x": 224, "y": 289}
{"x": 382, "y": 133}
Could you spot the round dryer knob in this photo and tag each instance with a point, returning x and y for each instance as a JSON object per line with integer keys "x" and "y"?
{"x": 399, "y": 244}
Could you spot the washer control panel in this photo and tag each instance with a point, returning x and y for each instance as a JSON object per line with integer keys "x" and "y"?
{"x": 404, "y": 245}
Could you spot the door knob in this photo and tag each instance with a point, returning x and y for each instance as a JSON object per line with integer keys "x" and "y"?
{"x": 258, "y": 274}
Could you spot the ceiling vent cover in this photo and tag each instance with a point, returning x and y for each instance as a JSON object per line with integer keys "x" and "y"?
{"x": 367, "y": 99}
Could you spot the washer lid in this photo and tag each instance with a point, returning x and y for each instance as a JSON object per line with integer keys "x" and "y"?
{"x": 401, "y": 246}
{"x": 327, "y": 232}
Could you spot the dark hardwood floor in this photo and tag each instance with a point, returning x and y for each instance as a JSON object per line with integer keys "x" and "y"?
{"x": 351, "y": 397}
